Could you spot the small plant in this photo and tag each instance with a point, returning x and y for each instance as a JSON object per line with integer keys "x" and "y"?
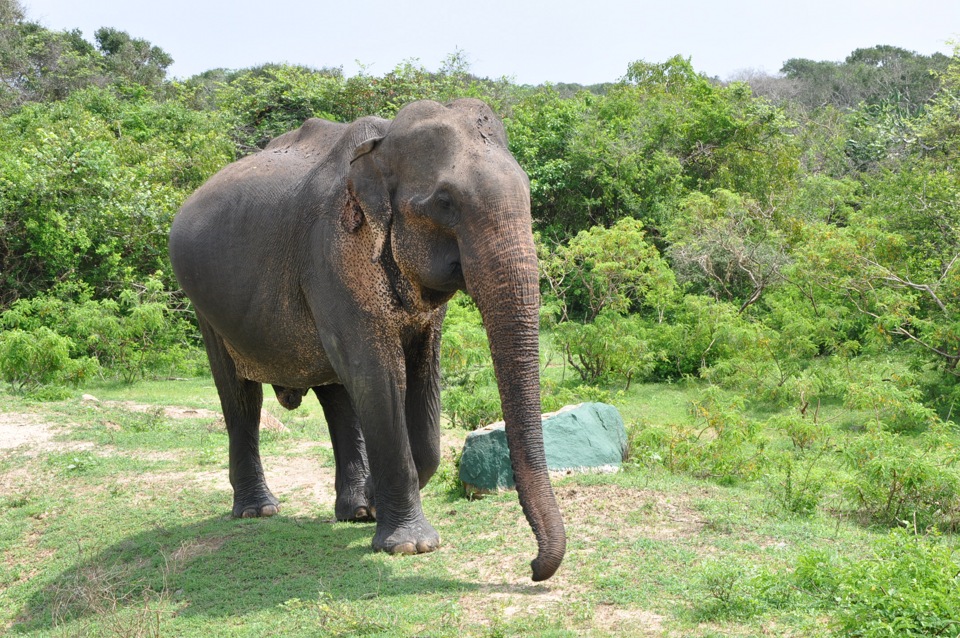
{"x": 334, "y": 618}
{"x": 447, "y": 476}
{"x": 722, "y": 444}
{"x": 728, "y": 591}
{"x": 796, "y": 483}
{"x": 82, "y": 463}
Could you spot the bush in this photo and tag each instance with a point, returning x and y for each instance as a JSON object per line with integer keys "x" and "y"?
{"x": 796, "y": 483}
{"x": 555, "y": 396}
{"x": 898, "y": 480}
{"x": 610, "y": 346}
{"x": 129, "y": 337}
{"x": 722, "y": 444}
{"x": 469, "y": 392}
{"x": 906, "y": 586}
{"x": 30, "y": 359}
{"x": 732, "y": 590}
{"x": 909, "y": 586}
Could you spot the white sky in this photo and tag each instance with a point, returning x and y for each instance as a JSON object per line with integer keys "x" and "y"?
{"x": 530, "y": 41}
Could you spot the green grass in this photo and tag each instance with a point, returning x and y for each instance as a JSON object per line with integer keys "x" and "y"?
{"x": 125, "y": 531}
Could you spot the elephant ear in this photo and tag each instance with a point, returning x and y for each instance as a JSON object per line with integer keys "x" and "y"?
{"x": 368, "y": 198}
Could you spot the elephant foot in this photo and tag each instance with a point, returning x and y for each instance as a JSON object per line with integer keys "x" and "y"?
{"x": 418, "y": 538}
{"x": 356, "y": 505}
{"x": 254, "y": 507}
{"x": 355, "y": 512}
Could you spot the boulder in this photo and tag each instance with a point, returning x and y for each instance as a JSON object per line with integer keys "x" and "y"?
{"x": 589, "y": 437}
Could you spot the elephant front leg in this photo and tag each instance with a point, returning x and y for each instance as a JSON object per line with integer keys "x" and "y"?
{"x": 380, "y": 404}
{"x": 423, "y": 401}
{"x": 353, "y": 483}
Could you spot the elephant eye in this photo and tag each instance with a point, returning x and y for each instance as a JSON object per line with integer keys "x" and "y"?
{"x": 443, "y": 208}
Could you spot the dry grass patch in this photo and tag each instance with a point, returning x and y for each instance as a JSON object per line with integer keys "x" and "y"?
{"x": 610, "y": 511}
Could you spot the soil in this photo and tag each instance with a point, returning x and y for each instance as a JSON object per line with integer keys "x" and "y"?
{"x": 301, "y": 479}
{"x": 18, "y": 429}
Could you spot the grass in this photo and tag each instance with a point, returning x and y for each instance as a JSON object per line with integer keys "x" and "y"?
{"x": 119, "y": 526}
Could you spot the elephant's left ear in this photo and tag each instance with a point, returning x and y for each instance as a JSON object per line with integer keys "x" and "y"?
{"x": 365, "y": 147}
{"x": 368, "y": 198}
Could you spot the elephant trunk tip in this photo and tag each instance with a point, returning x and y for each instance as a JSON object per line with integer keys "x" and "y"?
{"x": 544, "y": 569}
{"x": 549, "y": 558}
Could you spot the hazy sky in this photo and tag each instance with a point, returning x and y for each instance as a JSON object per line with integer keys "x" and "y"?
{"x": 531, "y": 41}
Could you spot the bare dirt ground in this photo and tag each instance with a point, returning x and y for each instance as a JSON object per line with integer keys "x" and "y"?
{"x": 17, "y": 429}
{"x": 302, "y": 480}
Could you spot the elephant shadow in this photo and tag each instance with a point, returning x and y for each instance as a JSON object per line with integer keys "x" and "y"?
{"x": 222, "y": 567}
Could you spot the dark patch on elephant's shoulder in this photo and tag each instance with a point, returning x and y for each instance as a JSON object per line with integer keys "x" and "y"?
{"x": 351, "y": 216}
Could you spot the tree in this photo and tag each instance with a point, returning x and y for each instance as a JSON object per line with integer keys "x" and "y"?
{"x": 594, "y": 283}
{"x": 727, "y": 246}
{"x": 660, "y": 133}
{"x": 879, "y": 75}
{"x": 88, "y": 187}
{"x": 133, "y": 59}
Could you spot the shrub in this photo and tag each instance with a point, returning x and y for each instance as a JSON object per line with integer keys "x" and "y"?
{"x": 908, "y": 585}
{"x": 610, "y": 346}
{"x": 469, "y": 392}
{"x": 130, "y": 337}
{"x": 796, "y": 483}
{"x": 891, "y": 393}
{"x": 722, "y": 444}
{"x": 898, "y": 480}
{"x": 33, "y": 358}
{"x": 473, "y": 406}
{"x": 732, "y": 590}
{"x": 555, "y": 396}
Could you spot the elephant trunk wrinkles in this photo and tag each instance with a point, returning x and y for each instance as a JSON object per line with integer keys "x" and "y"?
{"x": 502, "y": 277}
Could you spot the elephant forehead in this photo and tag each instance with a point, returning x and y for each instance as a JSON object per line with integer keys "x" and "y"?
{"x": 426, "y": 140}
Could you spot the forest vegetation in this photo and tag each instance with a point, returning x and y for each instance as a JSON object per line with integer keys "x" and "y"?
{"x": 786, "y": 244}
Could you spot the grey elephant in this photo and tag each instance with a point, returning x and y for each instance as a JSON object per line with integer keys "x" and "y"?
{"x": 325, "y": 262}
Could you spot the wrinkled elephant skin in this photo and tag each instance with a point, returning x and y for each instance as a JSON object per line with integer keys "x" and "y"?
{"x": 324, "y": 263}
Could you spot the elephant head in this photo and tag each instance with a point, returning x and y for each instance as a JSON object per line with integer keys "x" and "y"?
{"x": 450, "y": 207}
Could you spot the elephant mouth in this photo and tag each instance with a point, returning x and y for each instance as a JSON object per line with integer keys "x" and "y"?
{"x": 456, "y": 276}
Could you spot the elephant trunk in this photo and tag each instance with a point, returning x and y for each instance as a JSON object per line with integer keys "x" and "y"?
{"x": 502, "y": 277}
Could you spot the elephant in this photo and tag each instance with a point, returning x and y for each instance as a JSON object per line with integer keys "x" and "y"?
{"x": 325, "y": 262}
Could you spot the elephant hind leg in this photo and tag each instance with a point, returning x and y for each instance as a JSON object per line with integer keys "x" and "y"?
{"x": 353, "y": 484}
{"x": 241, "y": 401}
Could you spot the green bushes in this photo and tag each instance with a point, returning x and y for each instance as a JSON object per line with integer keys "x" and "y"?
{"x": 30, "y": 359}
{"x": 720, "y": 444}
{"x": 68, "y": 336}
{"x": 896, "y": 480}
{"x": 906, "y": 585}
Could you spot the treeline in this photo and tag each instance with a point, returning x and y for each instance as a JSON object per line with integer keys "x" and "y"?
{"x": 759, "y": 237}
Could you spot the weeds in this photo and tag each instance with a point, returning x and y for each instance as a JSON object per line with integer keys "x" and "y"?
{"x": 908, "y": 585}
{"x": 105, "y": 596}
